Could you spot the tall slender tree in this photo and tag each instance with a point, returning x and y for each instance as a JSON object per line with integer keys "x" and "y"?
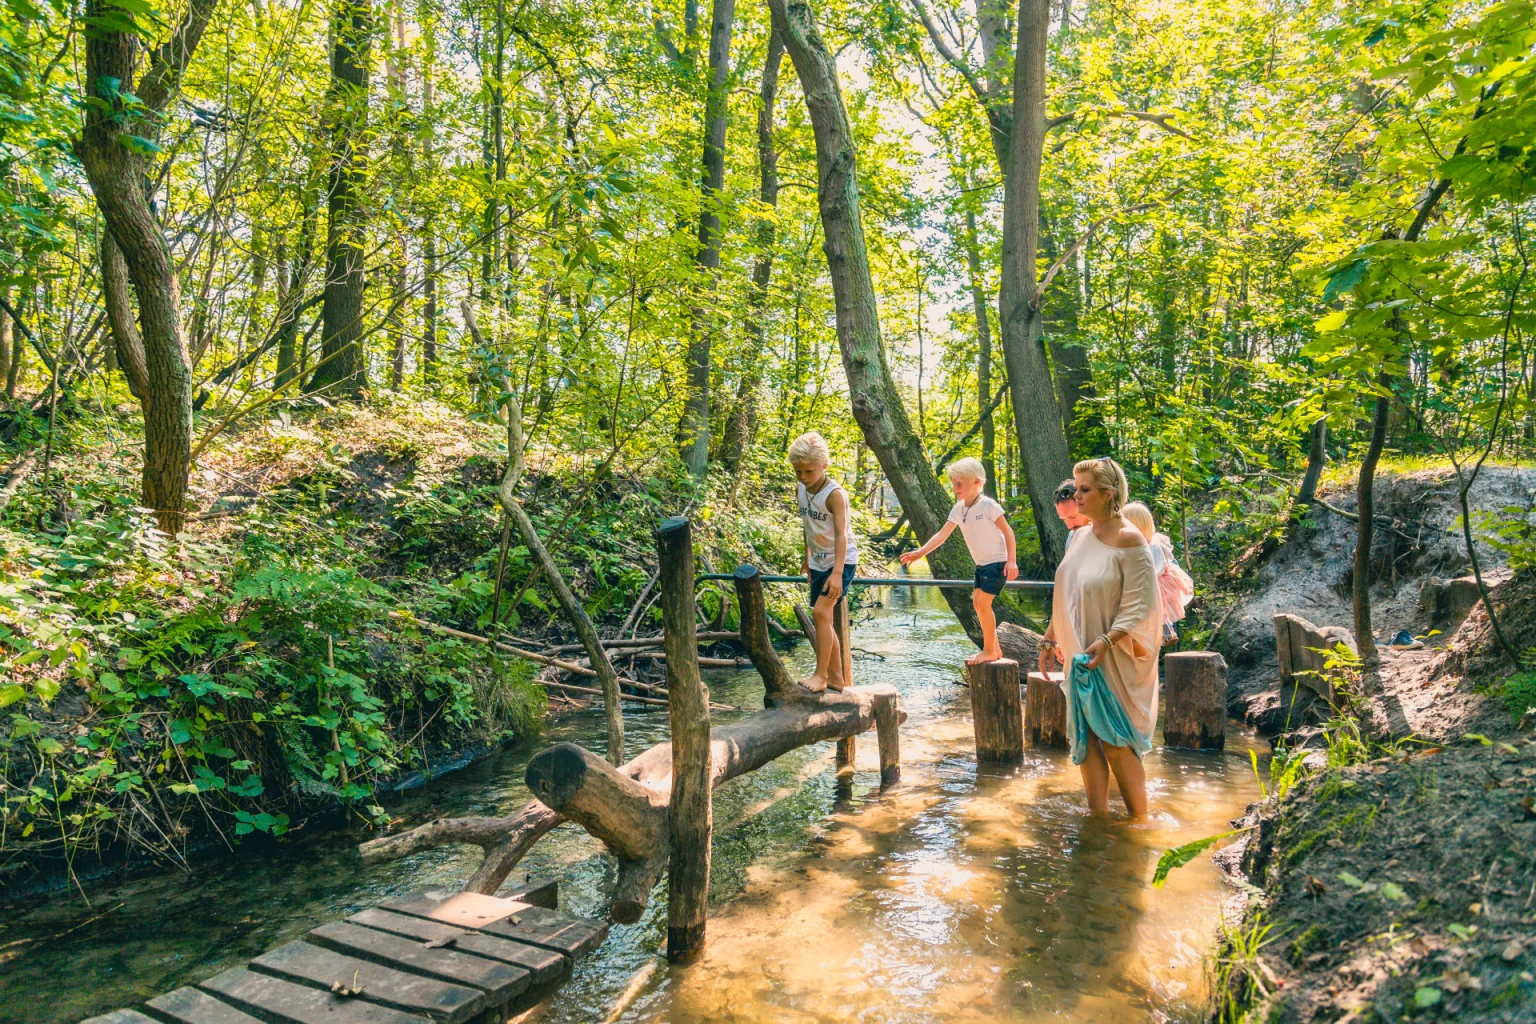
{"x": 343, "y": 368}
{"x": 693, "y": 427}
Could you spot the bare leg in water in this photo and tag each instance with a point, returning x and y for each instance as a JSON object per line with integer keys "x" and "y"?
{"x": 1129, "y": 774}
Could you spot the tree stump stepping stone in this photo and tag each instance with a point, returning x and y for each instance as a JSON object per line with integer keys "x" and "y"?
{"x": 189, "y": 1006}
{"x": 997, "y": 711}
{"x": 274, "y": 999}
{"x": 1045, "y": 711}
{"x": 304, "y": 964}
{"x": 542, "y": 964}
{"x": 121, "y": 1017}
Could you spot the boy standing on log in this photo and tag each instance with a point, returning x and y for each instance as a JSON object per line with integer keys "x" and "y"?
{"x": 831, "y": 556}
{"x": 990, "y": 539}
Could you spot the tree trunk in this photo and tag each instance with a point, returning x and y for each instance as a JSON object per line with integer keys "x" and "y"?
{"x": 342, "y": 369}
{"x": 979, "y": 306}
{"x": 1317, "y": 458}
{"x": 18, "y": 353}
{"x": 6, "y": 332}
{"x": 117, "y": 177}
{"x": 121, "y": 320}
{"x": 739, "y": 428}
{"x": 575, "y": 614}
{"x": 288, "y": 322}
{"x": 1366, "y": 510}
{"x": 693, "y": 427}
{"x": 428, "y": 235}
{"x": 1036, "y": 417}
{"x": 628, "y": 807}
{"x": 876, "y": 403}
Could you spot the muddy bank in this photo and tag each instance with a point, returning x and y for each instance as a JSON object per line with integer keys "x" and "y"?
{"x": 1311, "y": 575}
{"x": 1390, "y": 873}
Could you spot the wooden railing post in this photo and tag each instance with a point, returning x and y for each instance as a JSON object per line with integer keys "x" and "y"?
{"x": 688, "y": 699}
{"x": 847, "y": 748}
{"x": 777, "y": 683}
{"x": 997, "y": 711}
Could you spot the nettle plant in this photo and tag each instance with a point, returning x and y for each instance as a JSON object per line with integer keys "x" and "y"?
{"x": 215, "y": 683}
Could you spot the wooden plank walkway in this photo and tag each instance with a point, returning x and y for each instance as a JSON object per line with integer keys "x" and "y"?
{"x": 429, "y": 958}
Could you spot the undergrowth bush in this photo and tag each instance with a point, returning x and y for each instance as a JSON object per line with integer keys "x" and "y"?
{"x": 151, "y": 687}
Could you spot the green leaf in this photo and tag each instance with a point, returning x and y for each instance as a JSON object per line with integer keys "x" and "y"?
{"x": 46, "y": 690}
{"x": 1181, "y": 855}
{"x": 1344, "y": 279}
{"x": 135, "y": 144}
{"x": 1426, "y": 997}
{"x": 11, "y": 693}
{"x": 1393, "y": 891}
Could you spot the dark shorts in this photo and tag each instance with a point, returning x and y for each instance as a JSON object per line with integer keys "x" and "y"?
{"x": 989, "y": 578}
{"x": 819, "y": 577}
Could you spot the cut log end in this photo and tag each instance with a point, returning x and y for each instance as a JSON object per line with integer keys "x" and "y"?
{"x": 997, "y": 712}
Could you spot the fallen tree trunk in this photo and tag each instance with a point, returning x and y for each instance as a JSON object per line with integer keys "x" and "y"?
{"x": 642, "y": 642}
{"x": 627, "y": 807}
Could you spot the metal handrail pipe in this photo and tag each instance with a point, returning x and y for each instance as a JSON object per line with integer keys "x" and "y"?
{"x": 889, "y": 581}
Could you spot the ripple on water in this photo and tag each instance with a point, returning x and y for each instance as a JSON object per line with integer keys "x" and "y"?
{"x": 963, "y": 896}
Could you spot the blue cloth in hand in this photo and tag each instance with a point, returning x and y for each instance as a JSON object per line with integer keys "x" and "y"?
{"x": 1091, "y": 705}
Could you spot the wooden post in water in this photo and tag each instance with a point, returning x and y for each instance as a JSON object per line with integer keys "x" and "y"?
{"x": 777, "y": 683}
{"x": 887, "y": 731}
{"x": 688, "y": 699}
{"x": 997, "y": 713}
{"x": 1045, "y": 712}
{"x": 847, "y": 748}
{"x": 1195, "y": 692}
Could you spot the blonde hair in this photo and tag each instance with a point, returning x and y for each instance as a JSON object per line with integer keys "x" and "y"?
{"x": 810, "y": 447}
{"x": 1106, "y": 473}
{"x": 1141, "y": 517}
{"x": 967, "y": 469}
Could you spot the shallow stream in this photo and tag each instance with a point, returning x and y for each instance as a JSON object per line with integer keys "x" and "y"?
{"x": 960, "y": 896}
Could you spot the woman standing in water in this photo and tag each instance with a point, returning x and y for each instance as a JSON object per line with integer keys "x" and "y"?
{"x": 1106, "y": 616}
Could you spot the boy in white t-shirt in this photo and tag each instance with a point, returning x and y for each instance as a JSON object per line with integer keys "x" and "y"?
{"x": 990, "y": 539}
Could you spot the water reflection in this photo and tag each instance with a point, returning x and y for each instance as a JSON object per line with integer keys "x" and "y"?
{"x": 962, "y": 895}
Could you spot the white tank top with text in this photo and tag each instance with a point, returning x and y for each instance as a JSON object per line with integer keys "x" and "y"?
{"x": 820, "y": 531}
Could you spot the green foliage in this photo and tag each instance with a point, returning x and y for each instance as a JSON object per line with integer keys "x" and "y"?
{"x": 228, "y": 677}
{"x": 1181, "y": 855}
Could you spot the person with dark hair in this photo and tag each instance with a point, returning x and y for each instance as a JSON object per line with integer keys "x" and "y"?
{"x": 1067, "y": 510}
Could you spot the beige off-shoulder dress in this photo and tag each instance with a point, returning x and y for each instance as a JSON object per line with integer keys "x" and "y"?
{"x": 1099, "y": 588}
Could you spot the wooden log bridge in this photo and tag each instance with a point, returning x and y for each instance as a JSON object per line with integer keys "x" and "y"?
{"x": 429, "y": 958}
{"x": 630, "y": 808}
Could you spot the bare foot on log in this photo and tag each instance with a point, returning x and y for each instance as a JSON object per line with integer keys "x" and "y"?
{"x": 984, "y": 655}
{"x": 815, "y": 684}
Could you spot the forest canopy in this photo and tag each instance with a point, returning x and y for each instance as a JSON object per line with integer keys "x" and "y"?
{"x": 1220, "y": 241}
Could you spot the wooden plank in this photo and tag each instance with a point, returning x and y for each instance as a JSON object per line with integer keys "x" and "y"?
{"x": 189, "y": 1006}
{"x": 499, "y": 981}
{"x": 462, "y": 909}
{"x": 121, "y": 1017}
{"x": 276, "y": 1000}
{"x": 322, "y": 968}
{"x": 550, "y": 929}
{"x": 537, "y": 893}
{"x": 543, "y": 964}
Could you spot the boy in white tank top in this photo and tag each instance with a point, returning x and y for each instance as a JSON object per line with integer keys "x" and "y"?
{"x": 990, "y": 539}
{"x": 831, "y": 556}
